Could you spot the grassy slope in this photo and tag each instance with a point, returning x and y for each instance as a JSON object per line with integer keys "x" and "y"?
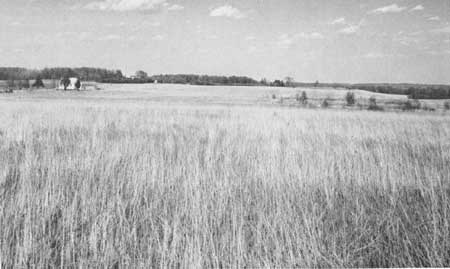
{"x": 134, "y": 183}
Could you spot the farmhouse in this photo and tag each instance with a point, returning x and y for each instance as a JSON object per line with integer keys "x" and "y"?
{"x": 71, "y": 84}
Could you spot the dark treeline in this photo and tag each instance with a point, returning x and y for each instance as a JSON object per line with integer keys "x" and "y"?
{"x": 413, "y": 91}
{"x": 198, "y": 80}
{"x": 84, "y": 73}
{"x": 188, "y": 79}
{"x": 17, "y": 73}
{"x": 116, "y": 76}
{"x": 204, "y": 79}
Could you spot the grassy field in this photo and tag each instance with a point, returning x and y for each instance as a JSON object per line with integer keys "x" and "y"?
{"x": 179, "y": 176}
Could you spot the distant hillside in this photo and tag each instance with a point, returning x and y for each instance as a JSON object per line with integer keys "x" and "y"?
{"x": 413, "y": 91}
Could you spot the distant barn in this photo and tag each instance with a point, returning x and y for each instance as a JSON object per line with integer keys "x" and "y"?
{"x": 72, "y": 84}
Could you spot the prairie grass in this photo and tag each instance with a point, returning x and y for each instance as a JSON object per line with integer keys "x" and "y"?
{"x": 133, "y": 185}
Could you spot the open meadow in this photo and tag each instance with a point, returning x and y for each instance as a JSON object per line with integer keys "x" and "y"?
{"x": 164, "y": 176}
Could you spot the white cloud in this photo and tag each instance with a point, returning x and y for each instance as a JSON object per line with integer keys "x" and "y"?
{"x": 394, "y": 8}
{"x": 338, "y": 21}
{"x": 351, "y": 29}
{"x": 252, "y": 49}
{"x": 155, "y": 24}
{"x": 250, "y": 38}
{"x": 110, "y": 37}
{"x": 227, "y": 11}
{"x": 374, "y": 55}
{"x": 416, "y": 33}
{"x": 286, "y": 41}
{"x": 175, "y": 7}
{"x": 417, "y": 8}
{"x": 126, "y": 5}
{"x": 84, "y": 36}
{"x": 379, "y": 55}
{"x": 444, "y": 30}
{"x": 313, "y": 35}
{"x": 437, "y": 52}
{"x": 435, "y": 18}
{"x": 158, "y": 37}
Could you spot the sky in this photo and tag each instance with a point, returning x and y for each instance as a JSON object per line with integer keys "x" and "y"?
{"x": 329, "y": 41}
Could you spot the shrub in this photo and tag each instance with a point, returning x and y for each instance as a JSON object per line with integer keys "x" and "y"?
{"x": 411, "y": 105}
{"x": 274, "y": 96}
{"x": 304, "y": 98}
{"x": 24, "y": 84}
{"x": 428, "y": 108}
{"x": 38, "y": 83}
{"x": 373, "y": 104}
{"x": 447, "y": 105}
{"x": 350, "y": 98}
{"x": 325, "y": 103}
{"x": 11, "y": 83}
{"x": 78, "y": 84}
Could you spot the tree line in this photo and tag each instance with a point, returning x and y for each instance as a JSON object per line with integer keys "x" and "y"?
{"x": 102, "y": 75}
{"x": 17, "y": 74}
{"x": 84, "y": 73}
{"x": 204, "y": 79}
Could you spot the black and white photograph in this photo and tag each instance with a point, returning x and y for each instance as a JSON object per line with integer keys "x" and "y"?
{"x": 224, "y": 134}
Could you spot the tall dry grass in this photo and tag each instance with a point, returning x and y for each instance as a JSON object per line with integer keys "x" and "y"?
{"x": 132, "y": 186}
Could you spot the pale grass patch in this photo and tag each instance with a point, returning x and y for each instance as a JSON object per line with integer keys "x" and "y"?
{"x": 100, "y": 184}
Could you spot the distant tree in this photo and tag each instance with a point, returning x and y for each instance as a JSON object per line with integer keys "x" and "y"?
{"x": 373, "y": 104}
{"x": 407, "y": 105}
{"x": 350, "y": 98}
{"x": 278, "y": 83}
{"x": 38, "y": 83}
{"x": 24, "y": 84}
{"x": 66, "y": 82}
{"x": 141, "y": 74}
{"x": 78, "y": 84}
{"x": 316, "y": 84}
{"x": 264, "y": 81}
{"x": 303, "y": 98}
{"x": 411, "y": 105}
{"x": 289, "y": 81}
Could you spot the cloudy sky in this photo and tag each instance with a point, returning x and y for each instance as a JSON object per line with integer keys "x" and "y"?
{"x": 329, "y": 41}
